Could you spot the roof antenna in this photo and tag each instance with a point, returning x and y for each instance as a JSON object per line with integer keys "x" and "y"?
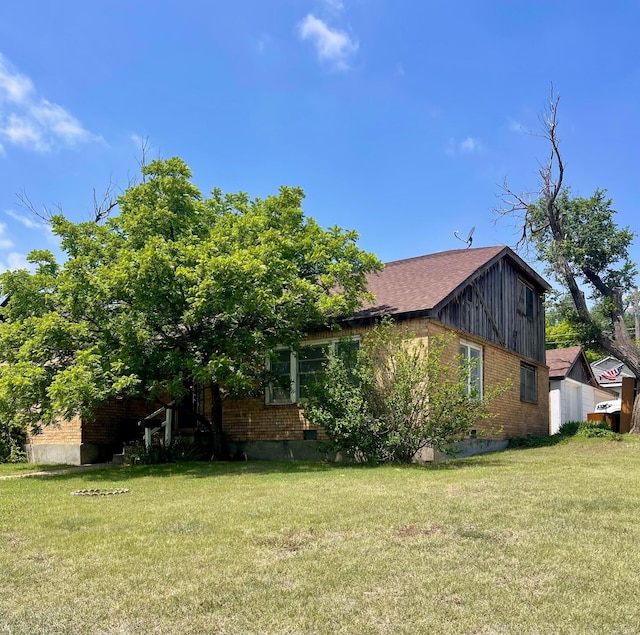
{"x": 469, "y": 238}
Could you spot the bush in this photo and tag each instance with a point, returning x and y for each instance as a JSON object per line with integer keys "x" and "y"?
{"x": 12, "y": 442}
{"x": 535, "y": 441}
{"x": 597, "y": 429}
{"x": 395, "y": 396}
{"x": 179, "y": 450}
{"x": 570, "y": 428}
{"x": 585, "y": 429}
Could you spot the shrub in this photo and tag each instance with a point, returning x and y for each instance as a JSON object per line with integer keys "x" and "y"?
{"x": 597, "y": 429}
{"x": 395, "y": 396}
{"x": 570, "y": 428}
{"x": 535, "y": 441}
{"x": 179, "y": 450}
{"x": 586, "y": 429}
{"x": 12, "y": 442}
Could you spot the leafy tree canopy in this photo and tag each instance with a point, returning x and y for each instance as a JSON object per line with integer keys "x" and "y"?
{"x": 587, "y": 238}
{"x": 177, "y": 288}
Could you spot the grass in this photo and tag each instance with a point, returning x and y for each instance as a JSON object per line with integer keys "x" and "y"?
{"x": 11, "y": 469}
{"x": 531, "y": 541}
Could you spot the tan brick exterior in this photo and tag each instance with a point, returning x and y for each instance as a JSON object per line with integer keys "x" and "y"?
{"x": 102, "y": 429}
{"x": 253, "y": 420}
{"x": 61, "y": 432}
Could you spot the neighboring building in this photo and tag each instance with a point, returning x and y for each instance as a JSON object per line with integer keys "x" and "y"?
{"x": 609, "y": 373}
{"x": 488, "y": 298}
{"x": 573, "y": 388}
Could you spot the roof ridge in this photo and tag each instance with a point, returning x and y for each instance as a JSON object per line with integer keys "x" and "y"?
{"x": 446, "y": 252}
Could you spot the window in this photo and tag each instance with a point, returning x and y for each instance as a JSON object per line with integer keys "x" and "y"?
{"x": 311, "y": 361}
{"x": 280, "y": 389}
{"x": 472, "y": 356}
{"x": 526, "y": 299}
{"x": 528, "y": 382}
{"x": 294, "y": 373}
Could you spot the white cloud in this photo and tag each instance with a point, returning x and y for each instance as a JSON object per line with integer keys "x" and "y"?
{"x": 32, "y": 223}
{"x": 470, "y": 144}
{"x": 13, "y": 86}
{"x": 33, "y": 122}
{"x": 28, "y": 222}
{"x": 20, "y": 131}
{"x": 138, "y": 140}
{"x": 334, "y": 5}
{"x": 5, "y": 243}
{"x": 15, "y": 260}
{"x": 466, "y": 146}
{"x": 332, "y": 45}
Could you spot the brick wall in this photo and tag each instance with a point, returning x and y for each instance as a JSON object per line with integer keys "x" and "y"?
{"x": 253, "y": 420}
{"x": 111, "y": 423}
{"x": 116, "y": 421}
{"x": 61, "y": 432}
{"x": 514, "y": 417}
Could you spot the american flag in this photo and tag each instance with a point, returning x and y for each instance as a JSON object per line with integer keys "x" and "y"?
{"x": 612, "y": 373}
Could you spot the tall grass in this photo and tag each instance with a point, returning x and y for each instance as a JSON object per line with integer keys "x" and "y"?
{"x": 523, "y": 542}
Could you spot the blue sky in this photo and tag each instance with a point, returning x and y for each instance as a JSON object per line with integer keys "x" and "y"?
{"x": 398, "y": 118}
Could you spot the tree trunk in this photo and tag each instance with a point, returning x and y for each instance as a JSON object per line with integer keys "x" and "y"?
{"x": 635, "y": 415}
{"x": 220, "y": 451}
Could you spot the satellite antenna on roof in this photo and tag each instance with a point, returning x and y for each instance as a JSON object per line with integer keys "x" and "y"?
{"x": 469, "y": 238}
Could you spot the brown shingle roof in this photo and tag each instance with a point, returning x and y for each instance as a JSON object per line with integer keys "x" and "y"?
{"x": 561, "y": 360}
{"x": 422, "y": 283}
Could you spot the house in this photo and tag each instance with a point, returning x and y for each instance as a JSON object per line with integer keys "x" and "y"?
{"x": 573, "y": 388}
{"x": 488, "y": 299}
{"x": 609, "y": 373}
{"x": 615, "y": 376}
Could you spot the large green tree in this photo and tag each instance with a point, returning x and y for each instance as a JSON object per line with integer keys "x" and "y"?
{"x": 175, "y": 289}
{"x": 583, "y": 248}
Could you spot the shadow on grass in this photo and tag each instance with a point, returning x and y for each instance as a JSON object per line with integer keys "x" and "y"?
{"x": 530, "y": 443}
{"x": 216, "y": 469}
{"x": 204, "y": 469}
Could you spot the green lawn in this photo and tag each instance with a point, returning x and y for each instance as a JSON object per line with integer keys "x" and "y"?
{"x": 9, "y": 469}
{"x": 521, "y": 542}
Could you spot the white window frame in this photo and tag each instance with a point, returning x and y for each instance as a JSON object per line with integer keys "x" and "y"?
{"x": 467, "y": 358}
{"x": 294, "y": 393}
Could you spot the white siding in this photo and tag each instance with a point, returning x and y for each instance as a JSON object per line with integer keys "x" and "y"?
{"x": 570, "y": 400}
{"x": 555, "y": 406}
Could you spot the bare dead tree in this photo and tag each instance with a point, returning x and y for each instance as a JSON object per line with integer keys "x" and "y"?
{"x": 103, "y": 204}
{"x": 145, "y": 146}
{"x": 103, "y": 207}
{"x": 44, "y": 214}
{"x": 542, "y": 217}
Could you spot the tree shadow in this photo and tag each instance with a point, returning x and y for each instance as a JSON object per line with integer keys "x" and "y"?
{"x": 227, "y": 469}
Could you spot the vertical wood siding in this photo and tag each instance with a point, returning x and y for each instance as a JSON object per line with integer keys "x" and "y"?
{"x": 491, "y": 308}
{"x": 579, "y": 373}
